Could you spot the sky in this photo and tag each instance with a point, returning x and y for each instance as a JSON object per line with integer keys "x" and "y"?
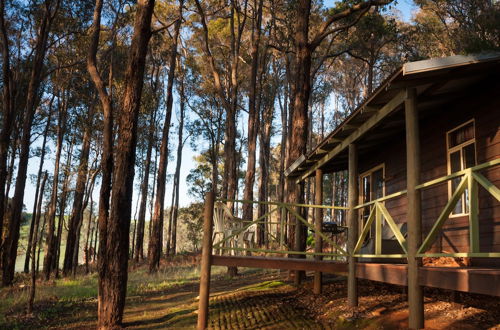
{"x": 405, "y": 7}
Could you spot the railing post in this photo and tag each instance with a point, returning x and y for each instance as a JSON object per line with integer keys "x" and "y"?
{"x": 318, "y": 242}
{"x": 206, "y": 260}
{"x": 473, "y": 213}
{"x": 352, "y": 286}
{"x": 282, "y": 226}
{"x": 415, "y": 292}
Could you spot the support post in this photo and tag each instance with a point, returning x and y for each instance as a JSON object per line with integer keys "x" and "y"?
{"x": 318, "y": 242}
{"x": 352, "y": 224}
{"x": 206, "y": 260}
{"x": 415, "y": 292}
{"x": 282, "y": 227}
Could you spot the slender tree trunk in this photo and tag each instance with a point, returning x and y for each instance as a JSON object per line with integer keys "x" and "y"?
{"x": 8, "y": 115}
{"x": 155, "y": 241}
{"x": 104, "y": 308}
{"x": 33, "y": 247}
{"x": 62, "y": 207}
{"x": 180, "y": 141}
{"x": 37, "y": 191}
{"x": 141, "y": 221}
{"x": 299, "y": 128}
{"x": 283, "y": 147}
{"x": 40, "y": 240}
{"x": 12, "y": 234}
{"x": 152, "y": 198}
{"x": 253, "y": 115}
{"x": 15, "y": 149}
{"x": 89, "y": 233}
{"x": 114, "y": 257}
{"x": 76, "y": 251}
{"x": 50, "y": 244}
{"x": 230, "y": 168}
{"x": 264, "y": 161}
{"x": 77, "y": 213}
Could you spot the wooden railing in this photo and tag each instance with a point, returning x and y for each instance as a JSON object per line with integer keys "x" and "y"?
{"x": 285, "y": 209}
{"x": 470, "y": 181}
{"x": 470, "y": 178}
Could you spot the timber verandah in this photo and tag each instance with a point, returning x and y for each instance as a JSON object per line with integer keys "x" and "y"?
{"x": 467, "y": 279}
{"x": 419, "y": 90}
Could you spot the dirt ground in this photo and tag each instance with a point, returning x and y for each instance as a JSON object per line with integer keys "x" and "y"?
{"x": 259, "y": 299}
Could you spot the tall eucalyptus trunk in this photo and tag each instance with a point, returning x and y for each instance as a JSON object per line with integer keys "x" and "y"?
{"x": 77, "y": 213}
{"x": 51, "y": 241}
{"x": 155, "y": 241}
{"x": 9, "y": 252}
{"x": 253, "y": 115}
{"x": 38, "y": 188}
{"x": 114, "y": 256}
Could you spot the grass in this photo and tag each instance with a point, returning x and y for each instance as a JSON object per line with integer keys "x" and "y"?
{"x": 170, "y": 292}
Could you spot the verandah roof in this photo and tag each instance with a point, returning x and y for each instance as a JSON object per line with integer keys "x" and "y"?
{"x": 437, "y": 81}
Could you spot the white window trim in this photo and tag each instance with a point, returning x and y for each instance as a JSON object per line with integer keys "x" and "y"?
{"x": 453, "y": 149}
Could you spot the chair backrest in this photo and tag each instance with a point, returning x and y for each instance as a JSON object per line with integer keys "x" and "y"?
{"x": 224, "y": 219}
{"x": 219, "y": 217}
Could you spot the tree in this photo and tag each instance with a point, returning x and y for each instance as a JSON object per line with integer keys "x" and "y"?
{"x": 38, "y": 188}
{"x": 50, "y": 9}
{"x": 155, "y": 241}
{"x": 32, "y": 251}
{"x": 51, "y": 242}
{"x": 253, "y": 113}
{"x": 113, "y": 271}
{"x": 76, "y": 219}
{"x": 181, "y": 141}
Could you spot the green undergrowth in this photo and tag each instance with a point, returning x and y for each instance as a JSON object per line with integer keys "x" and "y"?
{"x": 166, "y": 298}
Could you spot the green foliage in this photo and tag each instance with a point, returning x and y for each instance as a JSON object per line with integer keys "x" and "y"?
{"x": 192, "y": 218}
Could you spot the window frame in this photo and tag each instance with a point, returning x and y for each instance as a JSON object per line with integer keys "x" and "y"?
{"x": 360, "y": 191}
{"x": 454, "y": 149}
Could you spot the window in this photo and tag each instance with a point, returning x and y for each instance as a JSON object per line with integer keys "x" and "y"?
{"x": 461, "y": 144}
{"x": 372, "y": 187}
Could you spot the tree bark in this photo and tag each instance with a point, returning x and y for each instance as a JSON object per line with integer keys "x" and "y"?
{"x": 283, "y": 148}
{"x": 12, "y": 234}
{"x": 105, "y": 319}
{"x": 89, "y": 233}
{"x": 77, "y": 212}
{"x": 155, "y": 241}
{"x": 141, "y": 221}
{"x": 175, "y": 205}
{"x": 37, "y": 191}
{"x": 299, "y": 128}
{"x": 230, "y": 103}
{"x": 253, "y": 115}
{"x": 114, "y": 257}
{"x": 32, "y": 250}
{"x": 62, "y": 207}
{"x": 50, "y": 244}
{"x": 264, "y": 162}
{"x": 7, "y": 115}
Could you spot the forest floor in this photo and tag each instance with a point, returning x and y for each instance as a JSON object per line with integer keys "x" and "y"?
{"x": 256, "y": 299}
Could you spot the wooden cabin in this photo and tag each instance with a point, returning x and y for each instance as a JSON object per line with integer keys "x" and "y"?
{"x": 458, "y": 105}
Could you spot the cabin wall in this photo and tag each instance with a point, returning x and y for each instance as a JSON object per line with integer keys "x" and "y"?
{"x": 485, "y": 110}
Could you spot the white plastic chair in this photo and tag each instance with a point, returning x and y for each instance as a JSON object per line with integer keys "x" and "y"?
{"x": 226, "y": 225}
